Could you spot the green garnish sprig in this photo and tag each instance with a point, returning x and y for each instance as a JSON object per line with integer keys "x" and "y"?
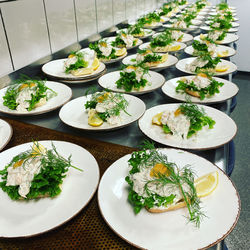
{"x": 147, "y": 157}
{"x": 47, "y": 182}
{"x": 94, "y": 46}
{"x": 161, "y": 40}
{"x": 80, "y": 63}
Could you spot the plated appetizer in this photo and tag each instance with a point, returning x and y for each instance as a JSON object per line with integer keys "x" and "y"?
{"x": 125, "y": 40}
{"x": 27, "y": 94}
{"x": 80, "y": 63}
{"x": 106, "y": 107}
{"x": 137, "y": 31}
{"x": 35, "y": 173}
{"x": 160, "y": 185}
{"x": 201, "y": 86}
{"x": 133, "y": 77}
{"x": 184, "y": 122}
{"x": 150, "y": 20}
{"x": 106, "y": 52}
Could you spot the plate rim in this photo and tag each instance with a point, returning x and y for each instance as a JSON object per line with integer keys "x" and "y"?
{"x": 174, "y": 149}
{"x": 9, "y": 136}
{"x": 75, "y": 214}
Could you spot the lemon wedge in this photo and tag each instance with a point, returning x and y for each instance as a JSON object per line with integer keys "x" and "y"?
{"x": 164, "y": 58}
{"x": 38, "y": 149}
{"x": 206, "y": 184}
{"x": 93, "y": 119}
{"x": 157, "y": 119}
{"x": 82, "y": 71}
{"x": 222, "y": 68}
{"x": 174, "y": 48}
{"x": 95, "y": 64}
{"x": 121, "y": 52}
{"x": 222, "y": 53}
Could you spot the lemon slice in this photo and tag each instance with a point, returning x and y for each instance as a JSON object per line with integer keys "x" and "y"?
{"x": 164, "y": 58}
{"x": 222, "y": 68}
{"x": 26, "y": 85}
{"x": 222, "y": 53}
{"x": 82, "y": 71}
{"x": 174, "y": 48}
{"x": 121, "y": 52}
{"x": 95, "y": 64}
{"x": 93, "y": 119}
{"x": 38, "y": 149}
{"x": 206, "y": 184}
{"x": 157, "y": 119}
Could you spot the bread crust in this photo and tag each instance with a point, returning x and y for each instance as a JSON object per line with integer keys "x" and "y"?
{"x": 193, "y": 93}
{"x": 176, "y": 206}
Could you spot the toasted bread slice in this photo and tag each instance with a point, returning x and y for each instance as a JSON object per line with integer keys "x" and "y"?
{"x": 178, "y": 205}
{"x": 193, "y": 93}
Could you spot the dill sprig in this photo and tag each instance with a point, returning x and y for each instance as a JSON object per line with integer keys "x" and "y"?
{"x": 182, "y": 178}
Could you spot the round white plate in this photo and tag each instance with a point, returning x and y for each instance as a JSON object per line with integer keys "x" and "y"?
{"x": 169, "y": 230}
{"x": 171, "y": 60}
{"x": 108, "y": 81}
{"x": 234, "y": 25}
{"x": 112, "y": 38}
{"x": 182, "y": 63}
{"x": 75, "y": 115}
{"x": 190, "y": 28}
{"x": 207, "y": 28}
{"x": 64, "y": 94}
{"x": 214, "y": 13}
{"x": 227, "y": 91}
{"x": 56, "y": 69}
{"x": 219, "y": 49}
{"x": 29, "y": 218}
{"x": 5, "y": 133}
{"x": 229, "y": 38}
{"x": 224, "y": 130}
{"x": 158, "y": 25}
{"x": 186, "y": 37}
{"x": 183, "y": 46}
{"x": 194, "y": 22}
{"x": 147, "y": 32}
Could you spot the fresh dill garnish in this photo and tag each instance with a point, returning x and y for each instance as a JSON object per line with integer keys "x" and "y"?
{"x": 99, "y": 54}
{"x": 175, "y": 177}
{"x": 80, "y": 62}
{"x": 47, "y": 182}
{"x": 161, "y": 40}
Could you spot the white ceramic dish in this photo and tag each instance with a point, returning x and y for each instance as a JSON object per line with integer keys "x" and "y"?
{"x": 186, "y": 37}
{"x": 55, "y": 69}
{"x": 108, "y": 81}
{"x": 171, "y": 60}
{"x": 169, "y": 230}
{"x": 148, "y": 33}
{"x": 227, "y": 91}
{"x": 234, "y": 25}
{"x": 220, "y": 49}
{"x": 190, "y": 28}
{"x": 64, "y": 94}
{"x": 114, "y": 60}
{"x": 182, "y": 46}
{"x": 112, "y": 38}
{"x": 5, "y": 133}
{"x": 229, "y": 38}
{"x": 224, "y": 130}
{"x": 194, "y": 22}
{"x": 75, "y": 115}
{"x": 29, "y": 218}
{"x": 207, "y": 28}
{"x": 181, "y": 65}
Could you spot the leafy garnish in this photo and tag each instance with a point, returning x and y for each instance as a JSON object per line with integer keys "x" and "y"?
{"x": 80, "y": 62}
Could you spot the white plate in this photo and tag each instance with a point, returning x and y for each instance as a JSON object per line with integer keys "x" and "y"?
{"x": 207, "y": 28}
{"x": 108, "y": 81}
{"x": 64, "y": 94}
{"x": 186, "y": 37}
{"x": 29, "y": 218}
{"x": 75, "y": 115}
{"x": 183, "y": 46}
{"x": 194, "y": 22}
{"x": 214, "y": 13}
{"x": 5, "y": 133}
{"x": 147, "y": 32}
{"x": 224, "y": 130}
{"x": 182, "y": 63}
{"x": 158, "y": 25}
{"x": 169, "y": 230}
{"x": 229, "y": 38}
{"x": 114, "y": 60}
{"x": 227, "y": 91}
{"x": 56, "y": 69}
{"x": 112, "y": 39}
{"x": 171, "y": 60}
{"x": 219, "y": 49}
{"x": 234, "y": 25}
{"x": 190, "y": 28}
